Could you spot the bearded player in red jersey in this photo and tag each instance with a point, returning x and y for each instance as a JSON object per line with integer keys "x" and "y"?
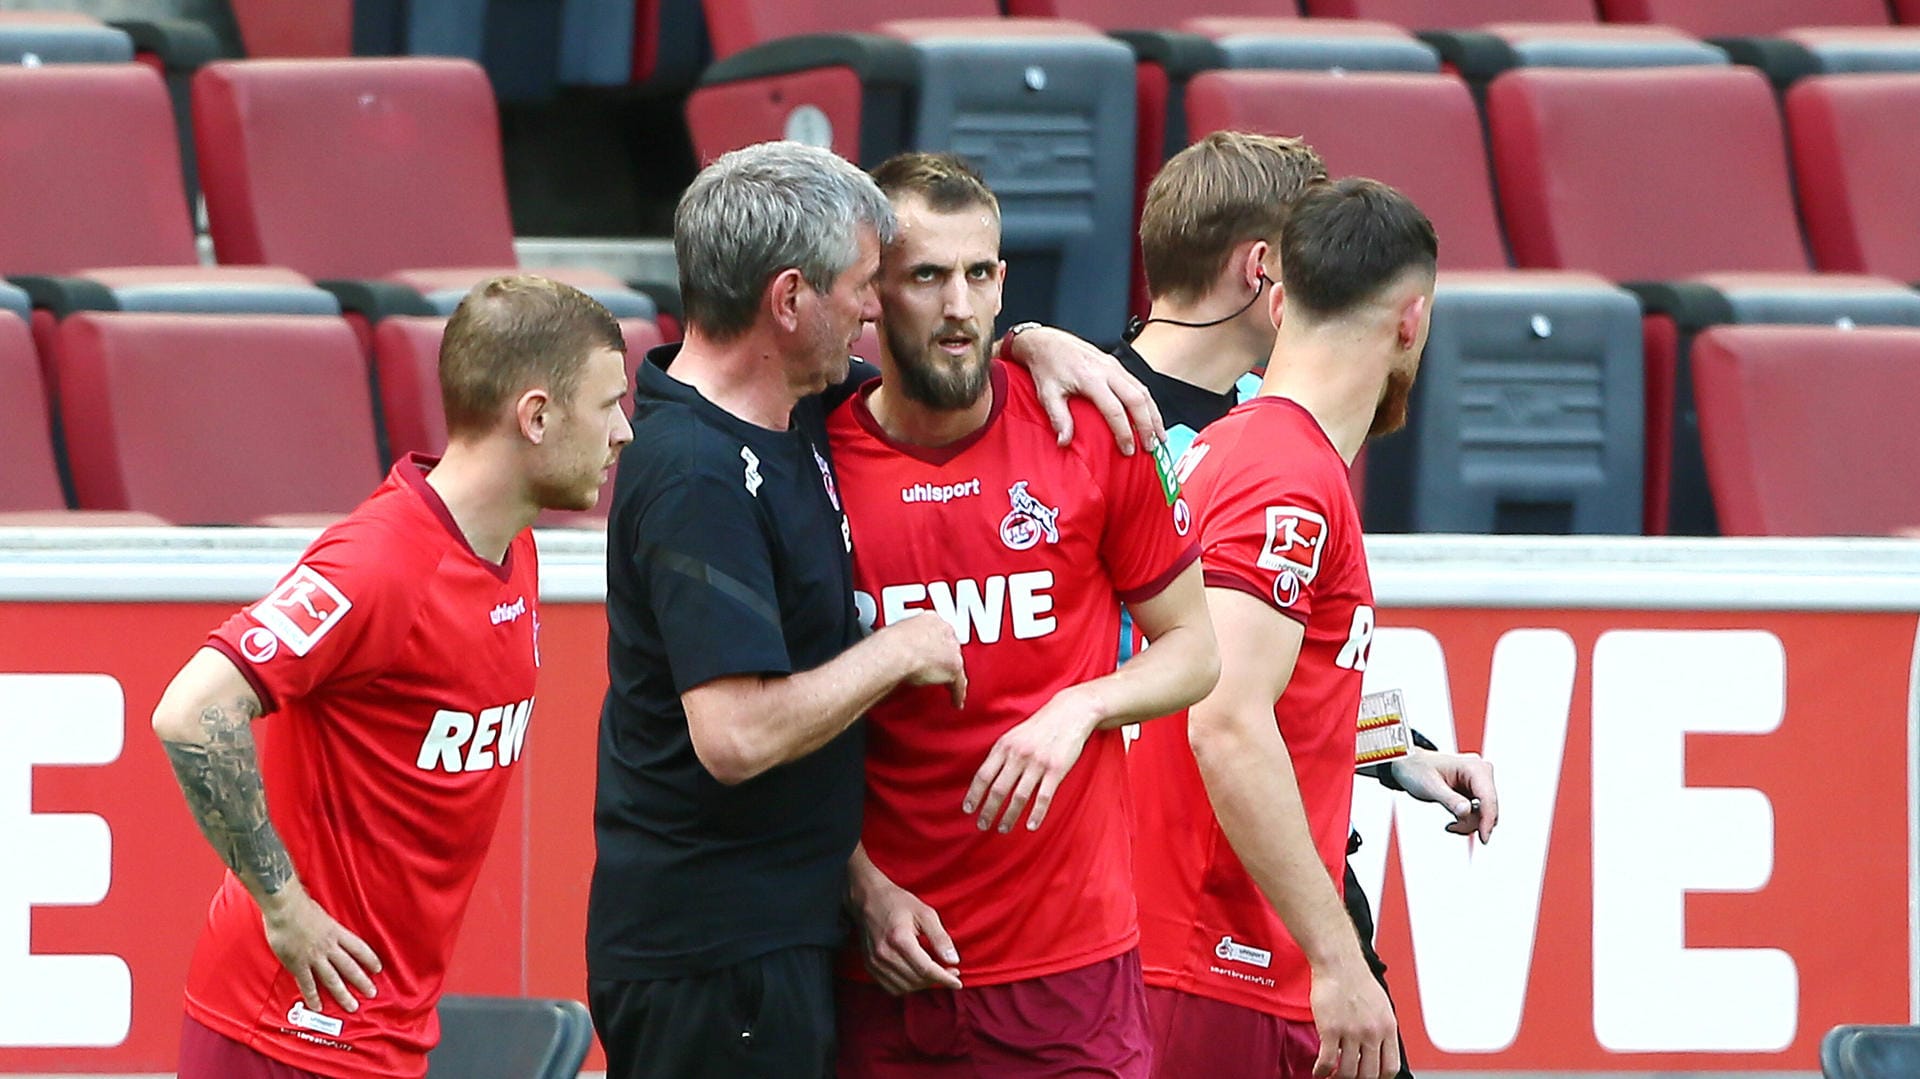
{"x": 1256, "y": 969}
{"x": 999, "y": 831}
{"x": 399, "y": 656}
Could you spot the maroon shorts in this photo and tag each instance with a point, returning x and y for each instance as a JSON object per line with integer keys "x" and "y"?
{"x": 207, "y": 1054}
{"x": 1087, "y": 1023}
{"x": 1195, "y": 1035}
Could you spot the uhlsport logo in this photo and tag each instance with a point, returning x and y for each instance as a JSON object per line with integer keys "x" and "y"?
{"x": 306, "y": 1019}
{"x": 1234, "y": 952}
{"x": 1029, "y": 520}
{"x": 940, "y": 492}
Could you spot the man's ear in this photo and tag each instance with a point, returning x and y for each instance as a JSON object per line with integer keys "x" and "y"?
{"x": 1407, "y": 326}
{"x": 533, "y": 412}
{"x": 1254, "y": 266}
{"x": 783, "y": 298}
{"x": 999, "y": 292}
{"x": 1276, "y": 302}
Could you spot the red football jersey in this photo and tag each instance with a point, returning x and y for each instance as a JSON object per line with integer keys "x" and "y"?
{"x": 399, "y": 667}
{"x": 1029, "y": 550}
{"x": 1277, "y": 521}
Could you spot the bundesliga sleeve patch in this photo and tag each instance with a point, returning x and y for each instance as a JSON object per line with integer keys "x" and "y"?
{"x": 1295, "y": 538}
{"x": 302, "y": 609}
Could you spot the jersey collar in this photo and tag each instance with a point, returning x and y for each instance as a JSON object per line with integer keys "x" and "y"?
{"x": 934, "y": 455}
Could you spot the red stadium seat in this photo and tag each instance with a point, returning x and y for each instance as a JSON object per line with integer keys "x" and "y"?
{"x": 1808, "y": 430}
{"x": 1420, "y": 133}
{"x": 1455, "y": 14}
{"x": 407, "y": 362}
{"x": 1907, "y": 11}
{"x": 1251, "y": 34}
{"x": 1737, "y": 18}
{"x": 358, "y": 170}
{"x": 1565, "y": 344}
{"x": 277, "y": 29}
{"x": 95, "y": 216}
{"x": 1676, "y": 179}
{"x": 1854, "y": 140}
{"x": 1643, "y": 175}
{"x": 735, "y": 25}
{"x": 216, "y": 419}
{"x": 29, "y": 478}
{"x": 1144, "y": 14}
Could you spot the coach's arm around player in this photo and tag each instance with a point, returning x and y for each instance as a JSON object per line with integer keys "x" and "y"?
{"x": 744, "y": 725}
{"x": 204, "y": 722}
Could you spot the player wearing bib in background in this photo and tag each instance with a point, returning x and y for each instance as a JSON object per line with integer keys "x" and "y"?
{"x": 1209, "y": 242}
{"x": 1246, "y": 803}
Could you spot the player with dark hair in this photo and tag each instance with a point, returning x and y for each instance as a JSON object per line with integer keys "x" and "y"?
{"x": 1258, "y": 970}
{"x": 400, "y": 657}
{"x": 996, "y": 832}
{"x": 1210, "y": 242}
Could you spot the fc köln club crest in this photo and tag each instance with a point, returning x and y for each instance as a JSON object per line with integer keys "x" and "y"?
{"x": 1029, "y": 520}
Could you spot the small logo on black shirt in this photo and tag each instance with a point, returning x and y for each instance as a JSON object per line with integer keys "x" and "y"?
{"x": 753, "y": 471}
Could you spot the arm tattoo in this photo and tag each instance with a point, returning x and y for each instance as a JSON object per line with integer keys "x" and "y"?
{"x": 221, "y": 779}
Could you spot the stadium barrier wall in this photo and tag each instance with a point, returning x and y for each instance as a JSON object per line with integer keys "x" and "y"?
{"x": 1705, "y": 751}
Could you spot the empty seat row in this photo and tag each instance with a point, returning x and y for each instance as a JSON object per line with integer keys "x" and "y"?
{"x": 232, "y": 419}
{"x": 665, "y": 43}
{"x": 371, "y": 187}
{"x": 1673, "y": 182}
{"x": 1804, "y": 428}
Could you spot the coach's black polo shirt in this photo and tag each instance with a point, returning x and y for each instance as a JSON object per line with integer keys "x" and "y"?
{"x": 726, "y": 555}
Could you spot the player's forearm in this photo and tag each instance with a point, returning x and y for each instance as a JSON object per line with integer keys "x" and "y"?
{"x": 210, "y": 745}
{"x": 864, "y": 878}
{"x": 1250, "y": 781}
{"x": 1179, "y": 668}
{"x": 757, "y": 724}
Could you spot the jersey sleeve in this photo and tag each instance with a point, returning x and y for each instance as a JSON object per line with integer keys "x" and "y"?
{"x": 1264, "y": 534}
{"x": 1147, "y": 540}
{"x": 340, "y": 616}
{"x": 707, "y": 570}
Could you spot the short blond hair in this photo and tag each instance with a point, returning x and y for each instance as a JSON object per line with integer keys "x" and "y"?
{"x": 947, "y": 182}
{"x": 1226, "y": 189}
{"x": 512, "y": 333}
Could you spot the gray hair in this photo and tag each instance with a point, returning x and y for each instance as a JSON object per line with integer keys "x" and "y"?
{"x": 760, "y": 210}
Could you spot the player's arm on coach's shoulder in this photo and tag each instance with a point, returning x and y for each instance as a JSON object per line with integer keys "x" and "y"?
{"x": 204, "y": 722}
{"x": 1249, "y": 777}
{"x": 743, "y": 725}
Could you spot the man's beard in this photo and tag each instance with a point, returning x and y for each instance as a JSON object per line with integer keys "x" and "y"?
{"x": 1391, "y": 414}
{"x": 936, "y": 380}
